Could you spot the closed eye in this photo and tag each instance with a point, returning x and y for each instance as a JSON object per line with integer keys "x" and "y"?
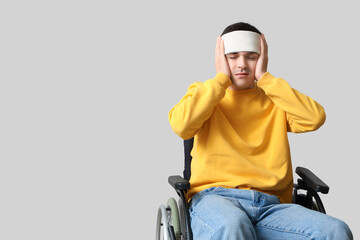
{"x": 252, "y": 56}
{"x": 232, "y": 56}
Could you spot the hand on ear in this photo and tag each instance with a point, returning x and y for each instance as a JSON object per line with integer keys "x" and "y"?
{"x": 262, "y": 63}
{"x": 221, "y": 63}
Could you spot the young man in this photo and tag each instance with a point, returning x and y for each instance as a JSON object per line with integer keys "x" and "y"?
{"x": 241, "y": 182}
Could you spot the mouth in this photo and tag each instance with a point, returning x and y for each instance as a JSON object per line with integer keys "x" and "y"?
{"x": 241, "y": 74}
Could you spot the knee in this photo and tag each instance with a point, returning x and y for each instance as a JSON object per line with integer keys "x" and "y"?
{"x": 343, "y": 230}
{"x": 337, "y": 229}
{"x": 235, "y": 222}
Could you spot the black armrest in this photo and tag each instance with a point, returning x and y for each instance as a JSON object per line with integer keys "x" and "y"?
{"x": 181, "y": 186}
{"x": 311, "y": 180}
{"x": 179, "y": 183}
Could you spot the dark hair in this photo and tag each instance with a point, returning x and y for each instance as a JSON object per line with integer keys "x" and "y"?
{"x": 240, "y": 26}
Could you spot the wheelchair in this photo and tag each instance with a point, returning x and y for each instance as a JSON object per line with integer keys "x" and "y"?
{"x": 173, "y": 219}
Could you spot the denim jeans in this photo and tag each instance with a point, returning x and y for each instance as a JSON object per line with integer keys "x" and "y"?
{"x": 234, "y": 214}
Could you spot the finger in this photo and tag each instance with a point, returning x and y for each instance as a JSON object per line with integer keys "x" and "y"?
{"x": 217, "y": 59}
{"x": 222, "y": 48}
{"x": 263, "y": 45}
{"x": 217, "y": 46}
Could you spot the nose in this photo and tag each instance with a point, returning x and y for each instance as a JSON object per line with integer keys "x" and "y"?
{"x": 242, "y": 63}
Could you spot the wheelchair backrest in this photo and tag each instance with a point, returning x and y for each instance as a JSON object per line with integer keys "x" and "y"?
{"x": 188, "y": 145}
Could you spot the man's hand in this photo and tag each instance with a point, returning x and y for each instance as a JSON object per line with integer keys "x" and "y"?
{"x": 221, "y": 64}
{"x": 262, "y": 63}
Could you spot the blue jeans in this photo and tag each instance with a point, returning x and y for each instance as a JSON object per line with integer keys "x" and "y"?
{"x": 233, "y": 214}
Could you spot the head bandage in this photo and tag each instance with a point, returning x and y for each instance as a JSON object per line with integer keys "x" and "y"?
{"x": 238, "y": 41}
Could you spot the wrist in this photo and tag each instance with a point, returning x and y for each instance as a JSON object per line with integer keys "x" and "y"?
{"x": 260, "y": 75}
{"x": 223, "y": 79}
{"x": 223, "y": 72}
{"x": 265, "y": 79}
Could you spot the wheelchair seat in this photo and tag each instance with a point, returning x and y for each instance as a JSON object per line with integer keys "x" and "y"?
{"x": 173, "y": 220}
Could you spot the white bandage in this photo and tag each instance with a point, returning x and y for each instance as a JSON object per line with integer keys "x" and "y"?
{"x": 238, "y": 41}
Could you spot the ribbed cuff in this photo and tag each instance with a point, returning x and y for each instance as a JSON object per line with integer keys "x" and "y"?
{"x": 223, "y": 80}
{"x": 265, "y": 78}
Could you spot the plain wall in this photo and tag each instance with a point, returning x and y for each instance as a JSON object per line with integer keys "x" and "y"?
{"x": 86, "y": 86}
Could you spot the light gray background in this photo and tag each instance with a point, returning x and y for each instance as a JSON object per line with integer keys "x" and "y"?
{"x": 86, "y": 87}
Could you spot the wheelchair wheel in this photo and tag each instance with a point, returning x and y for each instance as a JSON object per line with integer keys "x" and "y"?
{"x": 174, "y": 220}
{"x": 161, "y": 224}
{"x": 168, "y": 216}
{"x": 182, "y": 217}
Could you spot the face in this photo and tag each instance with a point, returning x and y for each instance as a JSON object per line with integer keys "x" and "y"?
{"x": 242, "y": 66}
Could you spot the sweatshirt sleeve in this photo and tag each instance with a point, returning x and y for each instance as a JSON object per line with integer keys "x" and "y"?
{"x": 302, "y": 112}
{"x": 197, "y": 105}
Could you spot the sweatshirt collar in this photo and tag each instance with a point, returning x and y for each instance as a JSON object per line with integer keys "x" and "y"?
{"x": 245, "y": 91}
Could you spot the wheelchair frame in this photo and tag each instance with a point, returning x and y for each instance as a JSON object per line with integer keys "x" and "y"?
{"x": 173, "y": 221}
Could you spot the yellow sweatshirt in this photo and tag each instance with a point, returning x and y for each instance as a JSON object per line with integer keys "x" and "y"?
{"x": 240, "y": 136}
